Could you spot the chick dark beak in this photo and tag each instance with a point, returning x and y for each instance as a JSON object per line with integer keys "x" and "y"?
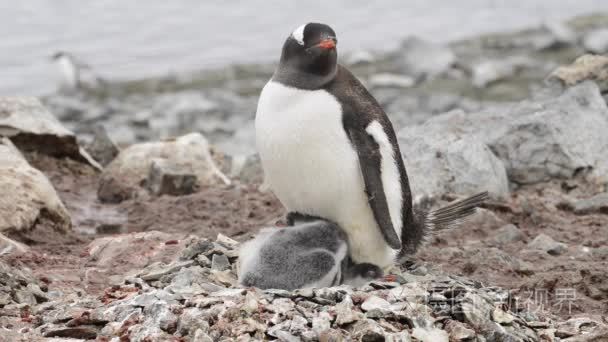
{"x": 327, "y": 44}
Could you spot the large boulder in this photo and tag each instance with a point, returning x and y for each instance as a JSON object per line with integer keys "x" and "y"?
{"x": 537, "y": 140}
{"x": 33, "y": 128}
{"x": 28, "y": 196}
{"x": 439, "y": 163}
{"x": 130, "y": 172}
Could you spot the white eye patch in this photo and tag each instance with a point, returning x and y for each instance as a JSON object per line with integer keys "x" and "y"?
{"x": 298, "y": 34}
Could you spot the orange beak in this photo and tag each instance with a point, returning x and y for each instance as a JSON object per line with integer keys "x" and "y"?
{"x": 327, "y": 44}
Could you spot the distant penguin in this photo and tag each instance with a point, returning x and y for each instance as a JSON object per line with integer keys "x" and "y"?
{"x": 75, "y": 73}
{"x": 328, "y": 149}
{"x": 312, "y": 253}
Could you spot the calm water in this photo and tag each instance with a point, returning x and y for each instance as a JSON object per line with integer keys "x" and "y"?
{"x": 130, "y": 39}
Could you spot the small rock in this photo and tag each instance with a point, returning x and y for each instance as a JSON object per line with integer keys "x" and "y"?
{"x": 421, "y": 58}
{"x": 430, "y": 334}
{"x": 331, "y": 335}
{"x": 220, "y": 262}
{"x": 575, "y": 327}
{"x": 375, "y": 303}
{"x": 226, "y": 278}
{"x": 250, "y": 304}
{"x": 402, "y": 336}
{"x": 247, "y": 168}
{"x": 595, "y": 204}
{"x": 546, "y": 243}
{"x": 11, "y": 247}
{"x": 489, "y": 71}
{"x": 196, "y": 248}
{"x": 501, "y": 317}
{"x": 102, "y": 148}
{"x": 201, "y": 336}
{"x": 25, "y": 297}
{"x": 158, "y": 270}
{"x": 203, "y": 260}
{"x": 508, "y": 234}
{"x": 345, "y": 313}
{"x": 367, "y": 330}
{"x": 284, "y": 336}
{"x": 321, "y": 323}
{"x": 166, "y": 178}
{"x": 596, "y": 41}
{"x": 226, "y": 241}
{"x": 458, "y": 331}
{"x": 386, "y": 80}
{"x": 109, "y": 228}
{"x": 601, "y": 252}
{"x": 191, "y": 321}
{"x": 359, "y": 57}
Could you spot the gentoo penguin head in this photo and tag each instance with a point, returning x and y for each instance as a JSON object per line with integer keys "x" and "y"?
{"x": 309, "y": 57}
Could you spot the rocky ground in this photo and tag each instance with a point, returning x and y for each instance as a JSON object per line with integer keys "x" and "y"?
{"x": 112, "y": 233}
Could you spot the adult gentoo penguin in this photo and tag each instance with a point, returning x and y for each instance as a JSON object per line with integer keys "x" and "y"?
{"x": 328, "y": 149}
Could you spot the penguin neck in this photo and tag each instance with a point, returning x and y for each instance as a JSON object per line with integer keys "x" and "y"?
{"x": 291, "y": 75}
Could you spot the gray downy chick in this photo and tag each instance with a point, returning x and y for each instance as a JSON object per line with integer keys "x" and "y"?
{"x": 311, "y": 253}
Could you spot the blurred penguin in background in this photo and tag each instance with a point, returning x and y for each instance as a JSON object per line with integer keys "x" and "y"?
{"x": 76, "y": 74}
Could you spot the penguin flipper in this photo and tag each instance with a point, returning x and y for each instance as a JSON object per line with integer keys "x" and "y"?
{"x": 370, "y": 158}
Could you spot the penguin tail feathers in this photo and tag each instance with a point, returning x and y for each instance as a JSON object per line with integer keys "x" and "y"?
{"x": 453, "y": 214}
{"x": 426, "y": 223}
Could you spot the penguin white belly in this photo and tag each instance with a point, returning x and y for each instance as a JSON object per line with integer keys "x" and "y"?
{"x": 312, "y": 167}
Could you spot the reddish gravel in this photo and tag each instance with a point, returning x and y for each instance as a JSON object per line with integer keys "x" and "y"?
{"x": 239, "y": 210}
